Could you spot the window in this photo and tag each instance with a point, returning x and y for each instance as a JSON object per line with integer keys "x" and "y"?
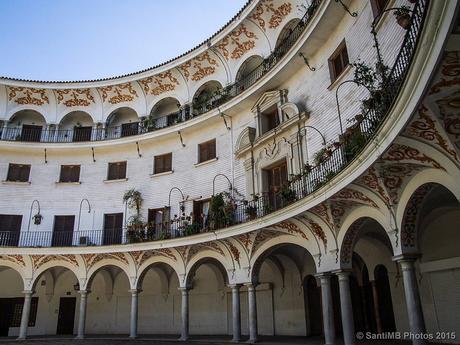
{"x": 69, "y": 173}
{"x": 158, "y": 219}
{"x": 15, "y": 305}
{"x": 18, "y": 172}
{"x": 378, "y": 6}
{"x": 117, "y": 171}
{"x": 338, "y": 61}
{"x": 201, "y": 212}
{"x": 162, "y": 163}
{"x": 10, "y": 229}
{"x": 113, "y": 228}
{"x": 207, "y": 151}
{"x": 63, "y": 231}
{"x": 31, "y": 133}
{"x": 269, "y": 119}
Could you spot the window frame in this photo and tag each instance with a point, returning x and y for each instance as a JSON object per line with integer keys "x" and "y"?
{"x": 19, "y": 173}
{"x": 208, "y": 157}
{"x": 111, "y": 164}
{"x": 70, "y": 173}
{"x": 338, "y": 52}
{"x": 165, "y": 168}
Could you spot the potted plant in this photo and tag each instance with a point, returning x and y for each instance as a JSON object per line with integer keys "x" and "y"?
{"x": 402, "y": 15}
{"x": 37, "y": 219}
{"x": 287, "y": 194}
{"x": 135, "y": 229}
{"x": 354, "y": 143}
{"x": 133, "y": 198}
{"x": 307, "y": 168}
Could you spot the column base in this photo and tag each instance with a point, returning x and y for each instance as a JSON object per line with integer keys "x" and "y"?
{"x": 21, "y": 338}
{"x": 183, "y": 338}
{"x": 237, "y": 340}
{"x": 252, "y": 341}
{"x": 80, "y": 337}
{"x": 133, "y": 337}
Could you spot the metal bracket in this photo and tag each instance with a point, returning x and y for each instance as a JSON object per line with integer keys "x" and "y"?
{"x": 94, "y": 160}
{"x": 46, "y": 161}
{"x": 138, "y": 151}
{"x": 306, "y": 62}
{"x": 181, "y": 140}
{"x": 354, "y": 14}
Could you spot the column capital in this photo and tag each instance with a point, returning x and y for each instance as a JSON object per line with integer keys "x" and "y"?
{"x": 342, "y": 274}
{"x": 234, "y": 286}
{"x": 28, "y": 292}
{"x": 184, "y": 288}
{"x": 250, "y": 285}
{"x": 84, "y": 292}
{"x": 406, "y": 257}
{"x": 135, "y": 291}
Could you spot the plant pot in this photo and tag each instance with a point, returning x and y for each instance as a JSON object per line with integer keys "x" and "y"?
{"x": 403, "y": 21}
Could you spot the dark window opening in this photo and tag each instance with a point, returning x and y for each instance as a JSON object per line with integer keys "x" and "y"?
{"x": 338, "y": 61}
{"x": 275, "y": 177}
{"x": 10, "y": 229}
{"x": 63, "y": 231}
{"x": 82, "y": 133}
{"x": 11, "y": 312}
{"x": 113, "y": 228}
{"x": 201, "y": 212}
{"x": 116, "y": 171}
{"x": 207, "y": 151}
{"x": 128, "y": 129}
{"x": 18, "y": 172}
{"x": 69, "y": 173}
{"x": 269, "y": 119}
{"x": 162, "y": 163}
{"x": 31, "y": 133}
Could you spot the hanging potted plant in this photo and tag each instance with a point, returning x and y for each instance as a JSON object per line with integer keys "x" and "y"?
{"x": 403, "y": 17}
{"x": 135, "y": 226}
{"x": 37, "y": 219}
{"x": 251, "y": 211}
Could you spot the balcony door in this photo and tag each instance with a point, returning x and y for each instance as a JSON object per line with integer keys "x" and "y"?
{"x": 128, "y": 129}
{"x": 10, "y": 230}
{"x": 31, "y": 133}
{"x": 63, "y": 231}
{"x": 113, "y": 228}
{"x": 276, "y": 177}
{"x": 82, "y": 133}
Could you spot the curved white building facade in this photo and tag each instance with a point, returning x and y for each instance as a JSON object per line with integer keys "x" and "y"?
{"x": 296, "y": 174}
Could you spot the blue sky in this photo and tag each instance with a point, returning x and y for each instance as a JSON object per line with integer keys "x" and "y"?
{"x": 83, "y": 39}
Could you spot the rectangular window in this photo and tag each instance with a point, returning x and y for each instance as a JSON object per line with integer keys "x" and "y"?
{"x": 207, "y": 151}
{"x": 201, "y": 211}
{"x": 10, "y": 229}
{"x": 18, "y": 172}
{"x": 158, "y": 219}
{"x": 162, "y": 163}
{"x": 63, "y": 231}
{"x": 116, "y": 171}
{"x": 113, "y": 228}
{"x": 269, "y": 119}
{"x": 69, "y": 173}
{"x": 15, "y": 306}
{"x": 378, "y": 6}
{"x": 338, "y": 61}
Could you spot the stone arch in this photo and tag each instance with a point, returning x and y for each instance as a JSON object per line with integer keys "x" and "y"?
{"x": 205, "y": 91}
{"x": 31, "y": 116}
{"x": 165, "y": 106}
{"x": 286, "y": 31}
{"x": 16, "y": 268}
{"x": 216, "y": 264}
{"x": 75, "y": 118}
{"x": 103, "y": 264}
{"x": 121, "y": 114}
{"x": 271, "y": 245}
{"x": 416, "y": 206}
{"x": 159, "y": 265}
{"x": 52, "y": 265}
{"x": 245, "y": 67}
{"x": 356, "y": 227}
{"x": 424, "y": 177}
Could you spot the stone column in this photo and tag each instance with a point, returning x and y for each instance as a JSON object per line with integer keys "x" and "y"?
{"x": 236, "y": 313}
{"x": 413, "y": 303}
{"x": 252, "y": 312}
{"x": 25, "y": 314}
{"x": 328, "y": 309}
{"x": 184, "y": 313}
{"x": 134, "y": 305}
{"x": 82, "y": 314}
{"x": 375, "y": 299}
{"x": 346, "y": 308}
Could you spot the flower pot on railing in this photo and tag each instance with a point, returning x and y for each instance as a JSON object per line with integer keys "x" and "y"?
{"x": 251, "y": 212}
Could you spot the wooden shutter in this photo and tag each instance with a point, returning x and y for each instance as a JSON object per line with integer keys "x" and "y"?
{"x": 168, "y": 162}
{"x": 117, "y": 171}
{"x": 18, "y": 172}
{"x": 159, "y": 168}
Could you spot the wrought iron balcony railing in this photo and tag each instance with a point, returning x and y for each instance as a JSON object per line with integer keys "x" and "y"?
{"x": 241, "y": 211}
{"x": 215, "y": 100}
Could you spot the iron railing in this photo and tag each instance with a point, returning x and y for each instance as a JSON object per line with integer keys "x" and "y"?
{"x": 77, "y": 134}
{"x": 241, "y": 211}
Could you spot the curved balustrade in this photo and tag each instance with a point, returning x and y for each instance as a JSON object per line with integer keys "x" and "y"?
{"x": 241, "y": 211}
{"x": 215, "y": 100}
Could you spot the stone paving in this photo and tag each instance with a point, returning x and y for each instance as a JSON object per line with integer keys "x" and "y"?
{"x": 172, "y": 340}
